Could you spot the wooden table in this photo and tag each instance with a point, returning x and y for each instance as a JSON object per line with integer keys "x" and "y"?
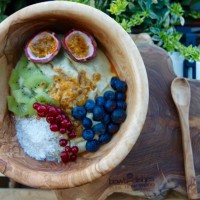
{"x": 155, "y": 165}
{"x": 154, "y": 168}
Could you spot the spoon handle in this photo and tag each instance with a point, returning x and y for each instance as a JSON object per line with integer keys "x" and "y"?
{"x": 188, "y": 154}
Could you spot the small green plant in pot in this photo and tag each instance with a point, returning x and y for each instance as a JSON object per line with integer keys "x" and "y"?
{"x": 159, "y": 19}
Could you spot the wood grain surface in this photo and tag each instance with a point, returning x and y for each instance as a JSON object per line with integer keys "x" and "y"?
{"x": 24, "y": 194}
{"x": 155, "y": 166}
{"x": 154, "y": 169}
{"x": 33, "y": 194}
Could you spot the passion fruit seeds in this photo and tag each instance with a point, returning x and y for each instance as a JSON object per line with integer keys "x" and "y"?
{"x": 80, "y": 45}
{"x": 43, "y": 47}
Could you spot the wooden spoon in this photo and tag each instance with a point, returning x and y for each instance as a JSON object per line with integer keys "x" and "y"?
{"x": 181, "y": 94}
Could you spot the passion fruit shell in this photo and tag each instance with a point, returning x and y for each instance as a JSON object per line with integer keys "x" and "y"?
{"x": 43, "y": 47}
{"x": 80, "y": 45}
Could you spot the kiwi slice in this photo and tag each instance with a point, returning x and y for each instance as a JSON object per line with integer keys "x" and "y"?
{"x": 28, "y": 92}
{"x": 28, "y": 85}
{"x": 31, "y": 110}
{"x": 20, "y": 96}
{"x": 37, "y": 81}
{"x": 14, "y": 80}
{"x": 29, "y": 71}
{"x": 22, "y": 63}
{"x": 19, "y": 109}
{"x": 43, "y": 97}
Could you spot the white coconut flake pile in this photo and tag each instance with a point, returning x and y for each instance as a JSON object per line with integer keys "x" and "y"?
{"x": 37, "y": 140}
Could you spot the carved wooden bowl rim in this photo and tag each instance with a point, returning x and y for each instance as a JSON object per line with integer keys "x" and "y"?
{"x": 129, "y": 67}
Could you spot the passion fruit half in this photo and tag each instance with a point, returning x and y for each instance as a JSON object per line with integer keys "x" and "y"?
{"x": 80, "y": 45}
{"x": 43, "y": 47}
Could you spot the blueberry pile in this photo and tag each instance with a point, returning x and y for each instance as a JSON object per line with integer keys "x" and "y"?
{"x": 108, "y": 110}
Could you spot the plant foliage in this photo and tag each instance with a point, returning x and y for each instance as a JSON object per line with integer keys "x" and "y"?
{"x": 156, "y": 17}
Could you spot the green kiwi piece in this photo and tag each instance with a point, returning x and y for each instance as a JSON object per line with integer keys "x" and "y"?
{"x": 19, "y": 109}
{"x": 14, "y": 80}
{"x": 22, "y": 63}
{"x": 36, "y": 81}
{"x": 47, "y": 69}
{"x": 31, "y": 110}
{"x": 20, "y": 96}
{"x": 28, "y": 92}
{"x": 46, "y": 99}
{"x": 29, "y": 71}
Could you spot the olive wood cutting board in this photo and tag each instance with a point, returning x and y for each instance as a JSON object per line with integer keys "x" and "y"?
{"x": 155, "y": 165}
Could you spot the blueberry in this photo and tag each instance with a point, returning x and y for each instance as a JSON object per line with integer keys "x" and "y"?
{"x": 106, "y": 119}
{"x": 99, "y": 128}
{"x": 118, "y": 85}
{"x": 87, "y": 122}
{"x": 110, "y": 105}
{"x": 79, "y": 112}
{"x": 92, "y": 145}
{"x": 120, "y": 96}
{"x": 89, "y": 105}
{"x": 88, "y": 134}
{"x": 121, "y": 105}
{"x": 118, "y": 116}
{"x": 112, "y": 128}
{"x": 98, "y": 113}
{"x": 105, "y": 138}
{"x": 100, "y": 101}
{"x": 121, "y": 86}
{"x": 113, "y": 82}
{"x": 109, "y": 95}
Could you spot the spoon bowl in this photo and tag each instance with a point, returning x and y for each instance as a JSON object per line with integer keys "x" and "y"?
{"x": 181, "y": 92}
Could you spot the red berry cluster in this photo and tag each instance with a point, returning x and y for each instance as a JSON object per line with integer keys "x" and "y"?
{"x": 56, "y": 118}
{"x": 70, "y": 153}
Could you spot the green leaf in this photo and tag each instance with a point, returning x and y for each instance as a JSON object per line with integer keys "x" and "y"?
{"x": 141, "y": 3}
{"x": 152, "y": 15}
{"x": 103, "y": 5}
{"x": 166, "y": 15}
{"x": 126, "y": 25}
{"x": 155, "y": 38}
{"x": 194, "y": 14}
{"x": 154, "y": 30}
{"x": 148, "y": 4}
{"x": 118, "y": 6}
{"x": 166, "y": 22}
{"x": 182, "y": 21}
{"x": 176, "y": 9}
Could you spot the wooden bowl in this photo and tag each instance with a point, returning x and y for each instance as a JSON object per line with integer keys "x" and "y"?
{"x": 124, "y": 55}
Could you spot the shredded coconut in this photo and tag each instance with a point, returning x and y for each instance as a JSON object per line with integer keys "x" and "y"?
{"x": 37, "y": 140}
